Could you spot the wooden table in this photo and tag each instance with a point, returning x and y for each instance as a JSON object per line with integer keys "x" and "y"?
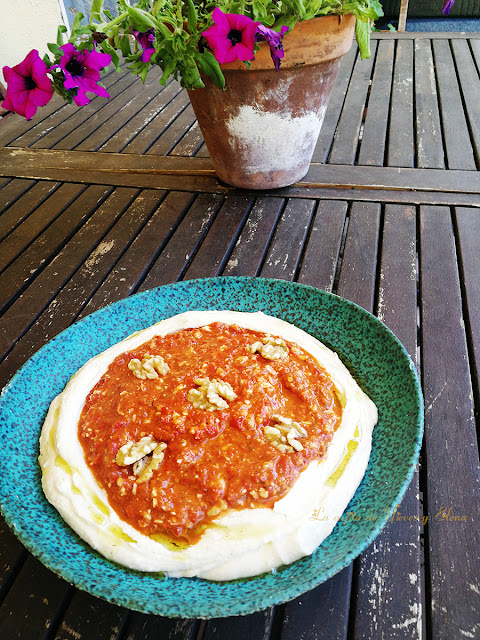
{"x": 118, "y": 197}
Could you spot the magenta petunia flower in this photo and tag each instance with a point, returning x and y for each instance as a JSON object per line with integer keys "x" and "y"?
{"x": 146, "y": 39}
{"x": 274, "y": 39}
{"x": 232, "y": 37}
{"x": 28, "y": 86}
{"x": 82, "y": 71}
{"x": 447, "y": 5}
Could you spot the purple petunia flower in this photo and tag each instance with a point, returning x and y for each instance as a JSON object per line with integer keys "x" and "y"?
{"x": 447, "y": 5}
{"x": 28, "y": 86}
{"x": 82, "y": 71}
{"x": 232, "y": 37}
{"x": 274, "y": 39}
{"x": 145, "y": 39}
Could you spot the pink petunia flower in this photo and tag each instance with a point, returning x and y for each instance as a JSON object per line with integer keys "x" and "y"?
{"x": 82, "y": 72}
{"x": 146, "y": 39}
{"x": 274, "y": 39}
{"x": 28, "y": 86}
{"x": 232, "y": 37}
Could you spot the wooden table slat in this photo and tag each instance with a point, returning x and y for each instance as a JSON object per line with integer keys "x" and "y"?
{"x": 468, "y": 225}
{"x": 36, "y": 257}
{"x": 142, "y": 253}
{"x": 452, "y": 473}
{"x": 429, "y": 142}
{"x": 389, "y": 603}
{"x": 373, "y": 144}
{"x": 457, "y": 138}
{"x": 470, "y": 88}
{"x": 285, "y": 251}
{"x": 335, "y": 105}
{"x": 221, "y": 238}
{"x": 84, "y": 245}
{"x": 180, "y": 250}
{"x": 24, "y": 197}
{"x": 55, "y": 113}
{"x": 400, "y": 132}
{"x": 344, "y": 147}
{"x": 174, "y": 133}
{"x": 150, "y": 134}
{"x": 122, "y": 138}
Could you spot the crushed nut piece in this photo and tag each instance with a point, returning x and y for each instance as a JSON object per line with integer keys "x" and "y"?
{"x": 283, "y": 436}
{"x": 133, "y": 451}
{"x": 270, "y": 348}
{"x": 153, "y": 462}
{"x": 149, "y": 367}
{"x": 211, "y": 394}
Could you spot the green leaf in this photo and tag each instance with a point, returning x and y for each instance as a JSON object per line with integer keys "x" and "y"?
{"x": 61, "y": 30}
{"x": 192, "y": 17}
{"x": 96, "y": 10}
{"x": 209, "y": 65}
{"x": 107, "y": 48}
{"x": 77, "y": 20}
{"x": 139, "y": 20}
{"x": 362, "y": 33}
{"x": 54, "y": 48}
{"x": 125, "y": 46}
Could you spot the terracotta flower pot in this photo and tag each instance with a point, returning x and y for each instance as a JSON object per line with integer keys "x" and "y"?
{"x": 262, "y": 130}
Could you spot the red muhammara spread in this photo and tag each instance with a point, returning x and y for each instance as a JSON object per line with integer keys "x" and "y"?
{"x": 242, "y": 455}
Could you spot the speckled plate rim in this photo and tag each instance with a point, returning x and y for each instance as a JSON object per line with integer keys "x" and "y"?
{"x": 184, "y": 597}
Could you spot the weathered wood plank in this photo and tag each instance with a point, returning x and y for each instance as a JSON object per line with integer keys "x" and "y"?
{"x": 389, "y": 603}
{"x": 455, "y": 131}
{"x": 44, "y": 207}
{"x": 429, "y": 150}
{"x": 84, "y": 244}
{"x": 70, "y": 300}
{"x": 43, "y": 125}
{"x": 148, "y": 136}
{"x": 452, "y": 474}
{"x": 468, "y": 225}
{"x": 358, "y": 271}
{"x": 322, "y": 613}
{"x": 400, "y": 152}
{"x": 133, "y": 127}
{"x": 12, "y": 556}
{"x": 470, "y": 88}
{"x": 284, "y": 254}
{"x": 141, "y": 254}
{"x": 346, "y": 139}
{"x": 49, "y": 242}
{"x": 249, "y": 251}
{"x": 190, "y": 143}
{"x": 10, "y": 190}
{"x": 71, "y": 132}
{"x": 372, "y": 149}
{"x": 14, "y": 127}
{"x": 135, "y": 99}
{"x": 256, "y": 626}
{"x": 39, "y": 595}
{"x": 335, "y": 105}
{"x": 149, "y": 627}
{"x": 24, "y": 196}
{"x": 178, "y": 253}
{"x": 221, "y": 238}
{"x": 191, "y": 174}
{"x": 323, "y": 247}
{"x": 174, "y": 133}
{"x": 89, "y": 617}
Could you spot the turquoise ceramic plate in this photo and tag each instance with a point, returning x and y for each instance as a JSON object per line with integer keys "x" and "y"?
{"x": 369, "y": 349}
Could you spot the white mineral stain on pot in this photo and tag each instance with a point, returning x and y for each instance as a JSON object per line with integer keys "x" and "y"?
{"x": 273, "y": 141}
